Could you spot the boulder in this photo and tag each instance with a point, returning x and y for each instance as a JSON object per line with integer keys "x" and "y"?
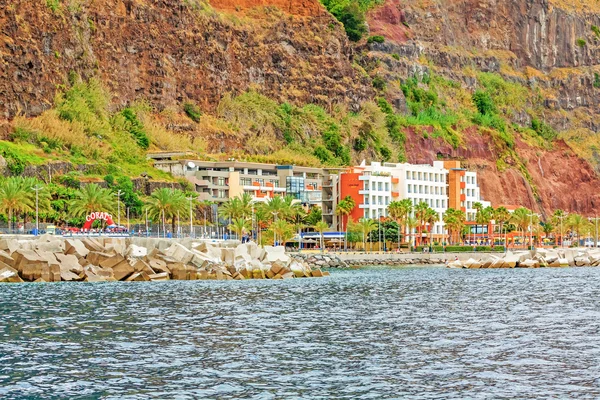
{"x": 29, "y": 264}
{"x": 134, "y": 251}
{"x": 9, "y": 275}
{"x": 96, "y": 257}
{"x": 143, "y": 266}
{"x": 122, "y": 270}
{"x": 276, "y": 254}
{"x": 51, "y": 273}
{"x": 138, "y": 277}
{"x": 163, "y": 276}
{"x": 76, "y": 247}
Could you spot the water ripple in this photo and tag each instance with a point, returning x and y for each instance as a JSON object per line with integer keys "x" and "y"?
{"x": 370, "y": 334}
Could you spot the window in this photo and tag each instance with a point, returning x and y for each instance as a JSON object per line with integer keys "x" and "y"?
{"x": 379, "y": 186}
{"x": 437, "y": 190}
{"x": 409, "y": 188}
{"x": 275, "y": 183}
{"x": 437, "y": 203}
{"x": 420, "y": 188}
{"x": 221, "y": 194}
{"x": 387, "y": 200}
{"x": 426, "y": 189}
{"x": 387, "y": 186}
{"x": 372, "y": 185}
{"x": 420, "y": 176}
{"x": 407, "y": 175}
{"x": 443, "y": 203}
{"x": 261, "y": 182}
{"x": 245, "y": 181}
{"x": 430, "y": 176}
{"x": 414, "y": 175}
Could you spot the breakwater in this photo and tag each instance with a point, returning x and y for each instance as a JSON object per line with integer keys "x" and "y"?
{"x": 102, "y": 259}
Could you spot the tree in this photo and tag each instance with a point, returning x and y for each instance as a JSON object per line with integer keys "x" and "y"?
{"x": 400, "y": 211}
{"x": 282, "y": 230}
{"x": 431, "y": 217}
{"x": 321, "y": 227}
{"x": 548, "y": 228}
{"x": 411, "y": 224}
{"x": 421, "y": 210}
{"x": 315, "y": 215}
{"x": 501, "y": 215}
{"x": 455, "y": 222}
{"x": 558, "y": 219}
{"x": 366, "y": 226}
{"x": 240, "y": 226}
{"x": 13, "y": 198}
{"x": 92, "y": 198}
{"x": 577, "y": 223}
{"x": 523, "y": 219}
{"x": 344, "y": 209}
{"x": 167, "y": 203}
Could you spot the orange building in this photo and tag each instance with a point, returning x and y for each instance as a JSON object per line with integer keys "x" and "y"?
{"x": 351, "y": 185}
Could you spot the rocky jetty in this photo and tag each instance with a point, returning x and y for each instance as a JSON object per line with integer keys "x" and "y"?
{"x": 321, "y": 260}
{"x": 537, "y": 258}
{"x": 51, "y": 259}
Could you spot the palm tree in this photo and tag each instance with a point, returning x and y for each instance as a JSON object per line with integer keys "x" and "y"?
{"x": 577, "y": 223}
{"x": 455, "y": 221}
{"x": 282, "y": 230}
{"x": 167, "y": 203}
{"x": 420, "y": 214}
{"x": 366, "y": 227}
{"x": 400, "y": 211}
{"x": 321, "y": 227}
{"x": 548, "y": 228}
{"x": 501, "y": 215}
{"x": 344, "y": 209}
{"x": 240, "y": 226}
{"x": 557, "y": 218}
{"x": 91, "y": 198}
{"x": 431, "y": 217}
{"x": 411, "y": 224}
{"x": 277, "y": 207}
{"x": 521, "y": 217}
{"x": 13, "y": 198}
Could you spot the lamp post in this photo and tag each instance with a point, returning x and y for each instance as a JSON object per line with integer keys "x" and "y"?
{"x": 128, "y": 220}
{"x": 191, "y": 198}
{"x": 531, "y": 230}
{"x": 146, "y": 221}
{"x": 275, "y": 213}
{"x": 562, "y": 238}
{"x": 596, "y": 232}
{"x": 119, "y": 207}
{"x": 37, "y": 188}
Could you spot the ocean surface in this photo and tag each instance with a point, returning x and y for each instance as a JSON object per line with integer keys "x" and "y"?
{"x": 377, "y": 333}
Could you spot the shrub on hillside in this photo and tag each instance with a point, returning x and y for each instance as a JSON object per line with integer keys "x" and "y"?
{"x": 375, "y": 39}
{"x": 192, "y": 111}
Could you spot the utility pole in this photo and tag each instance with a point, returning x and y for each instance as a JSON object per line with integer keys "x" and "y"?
{"x": 127, "y": 219}
{"x": 191, "y": 198}
{"x": 146, "y": 221}
{"x": 37, "y": 188}
{"x": 119, "y": 208}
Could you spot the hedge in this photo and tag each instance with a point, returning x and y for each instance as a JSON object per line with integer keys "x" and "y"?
{"x": 462, "y": 249}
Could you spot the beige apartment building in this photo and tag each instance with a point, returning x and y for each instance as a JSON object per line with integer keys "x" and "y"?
{"x": 219, "y": 181}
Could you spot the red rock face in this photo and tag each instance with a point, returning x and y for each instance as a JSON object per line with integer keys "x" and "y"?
{"x": 303, "y": 8}
{"x": 388, "y": 21}
{"x": 562, "y": 180}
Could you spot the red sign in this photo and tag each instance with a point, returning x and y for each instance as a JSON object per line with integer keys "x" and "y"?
{"x": 89, "y": 220}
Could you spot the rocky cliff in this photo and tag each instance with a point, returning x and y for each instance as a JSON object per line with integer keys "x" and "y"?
{"x": 172, "y": 51}
{"x": 550, "y": 48}
{"x": 545, "y": 53}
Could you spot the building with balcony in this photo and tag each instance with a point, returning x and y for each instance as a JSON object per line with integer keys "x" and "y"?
{"x": 219, "y": 181}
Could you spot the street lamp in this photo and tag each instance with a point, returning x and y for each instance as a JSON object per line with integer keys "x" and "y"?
{"x": 191, "y": 198}
{"x": 596, "y": 236}
{"x": 119, "y": 207}
{"x": 531, "y": 230}
{"x": 562, "y": 239}
{"x": 37, "y": 188}
{"x": 275, "y": 213}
